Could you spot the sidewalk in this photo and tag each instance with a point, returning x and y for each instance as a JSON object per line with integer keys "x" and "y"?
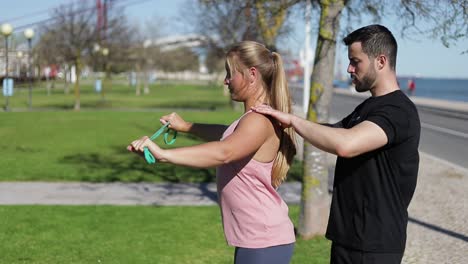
{"x": 437, "y": 230}
{"x": 52, "y": 193}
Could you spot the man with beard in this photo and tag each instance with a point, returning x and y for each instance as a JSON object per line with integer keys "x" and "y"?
{"x": 377, "y": 149}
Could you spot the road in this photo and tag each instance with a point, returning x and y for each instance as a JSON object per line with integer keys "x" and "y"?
{"x": 444, "y": 134}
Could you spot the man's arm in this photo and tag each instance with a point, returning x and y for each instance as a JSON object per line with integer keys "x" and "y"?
{"x": 362, "y": 138}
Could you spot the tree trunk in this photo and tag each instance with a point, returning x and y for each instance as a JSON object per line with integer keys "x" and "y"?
{"x": 104, "y": 83}
{"x": 66, "y": 88}
{"x": 269, "y": 26}
{"x": 77, "y": 84}
{"x": 137, "y": 78}
{"x": 47, "y": 84}
{"x": 146, "y": 81}
{"x": 315, "y": 200}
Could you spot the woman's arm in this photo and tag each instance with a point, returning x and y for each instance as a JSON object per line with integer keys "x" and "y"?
{"x": 207, "y": 132}
{"x": 250, "y": 134}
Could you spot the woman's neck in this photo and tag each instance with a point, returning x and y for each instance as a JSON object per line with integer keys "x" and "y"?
{"x": 254, "y": 102}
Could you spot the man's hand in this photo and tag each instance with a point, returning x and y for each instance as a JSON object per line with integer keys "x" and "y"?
{"x": 285, "y": 119}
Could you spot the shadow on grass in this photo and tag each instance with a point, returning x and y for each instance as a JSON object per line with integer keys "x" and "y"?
{"x": 193, "y": 104}
{"x": 124, "y": 166}
{"x": 95, "y": 104}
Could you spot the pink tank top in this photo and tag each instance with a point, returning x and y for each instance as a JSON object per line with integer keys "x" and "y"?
{"x": 253, "y": 213}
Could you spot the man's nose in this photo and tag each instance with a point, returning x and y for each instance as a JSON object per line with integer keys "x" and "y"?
{"x": 350, "y": 68}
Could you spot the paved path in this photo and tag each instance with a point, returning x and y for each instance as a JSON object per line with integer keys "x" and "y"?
{"x": 437, "y": 231}
{"x": 44, "y": 193}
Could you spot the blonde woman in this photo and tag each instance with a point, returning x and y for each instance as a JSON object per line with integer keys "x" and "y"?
{"x": 252, "y": 157}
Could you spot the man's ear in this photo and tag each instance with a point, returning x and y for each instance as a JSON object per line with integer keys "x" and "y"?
{"x": 381, "y": 61}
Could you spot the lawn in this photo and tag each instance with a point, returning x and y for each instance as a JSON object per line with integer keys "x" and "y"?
{"x": 54, "y": 143}
{"x": 122, "y": 96}
{"x": 125, "y": 234}
{"x": 90, "y": 145}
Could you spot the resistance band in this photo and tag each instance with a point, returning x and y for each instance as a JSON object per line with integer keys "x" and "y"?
{"x": 148, "y": 156}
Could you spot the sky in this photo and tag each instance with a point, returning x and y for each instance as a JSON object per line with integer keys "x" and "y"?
{"x": 423, "y": 58}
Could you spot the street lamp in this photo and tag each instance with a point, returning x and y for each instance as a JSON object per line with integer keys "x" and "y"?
{"x": 19, "y": 58}
{"x": 96, "y": 47}
{"x": 29, "y": 34}
{"x": 105, "y": 51}
{"x": 146, "y": 62}
{"x": 98, "y": 83}
{"x": 6, "y": 32}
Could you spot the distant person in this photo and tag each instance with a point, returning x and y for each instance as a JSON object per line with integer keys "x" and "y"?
{"x": 252, "y": 156}
{"x": 378, "y": 159}
{"x": 411, "y": 86}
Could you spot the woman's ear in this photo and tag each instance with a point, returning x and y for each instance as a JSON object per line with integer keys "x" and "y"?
{"x": 253, "y": 75}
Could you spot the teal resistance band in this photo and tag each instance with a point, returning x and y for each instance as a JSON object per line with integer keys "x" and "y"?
{"x": 148, "y": 156}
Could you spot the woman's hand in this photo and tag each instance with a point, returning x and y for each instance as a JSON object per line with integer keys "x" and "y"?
{"x": 177, "y": 123}
{"x": 138, "y": 147}
{"x": 285, "y": 119}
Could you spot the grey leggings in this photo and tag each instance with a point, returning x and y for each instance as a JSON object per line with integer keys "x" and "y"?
{"x": 271, "y": 255}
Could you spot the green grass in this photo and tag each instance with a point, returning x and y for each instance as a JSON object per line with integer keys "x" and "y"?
{"x": 120, "y": 95}
{"x": 52, "y": 143}
{"x": 65, "y": 145}
{"x": 91, "y": 146}
{"x": 125, "y": 234}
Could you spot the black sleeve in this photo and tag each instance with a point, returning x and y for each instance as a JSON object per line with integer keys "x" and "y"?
{"x": 393, "y": 120}
{"x": 342, "y": 123}
{"x": 335, "y": 125}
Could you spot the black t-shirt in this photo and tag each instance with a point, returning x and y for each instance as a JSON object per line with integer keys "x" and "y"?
{"x": 372, "y": 191}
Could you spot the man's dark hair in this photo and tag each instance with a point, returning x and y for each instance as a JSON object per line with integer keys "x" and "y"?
{"x": 375, "y": 40}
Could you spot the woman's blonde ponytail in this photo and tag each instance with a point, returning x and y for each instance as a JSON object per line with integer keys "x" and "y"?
{"x": 270, "y": 65}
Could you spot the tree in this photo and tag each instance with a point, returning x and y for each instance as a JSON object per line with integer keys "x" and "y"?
{"x": 218, "y": 21}
{"x": 73, "y": 34}
{"x": 47, "y": 53}
{"x": 447, "y": 20}
{"x": 315, "y": 200}
{"x": 270, "y": 18}
{"x": 117, "y": 37}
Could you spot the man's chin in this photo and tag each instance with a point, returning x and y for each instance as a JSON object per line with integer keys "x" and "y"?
{"x": 360, "y": 89}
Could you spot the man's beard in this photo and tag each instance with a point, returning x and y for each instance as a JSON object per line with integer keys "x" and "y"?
{"x": 367, "y": 81}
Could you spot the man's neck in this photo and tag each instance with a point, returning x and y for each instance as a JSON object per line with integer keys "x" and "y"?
{"x": 385, "y": 85}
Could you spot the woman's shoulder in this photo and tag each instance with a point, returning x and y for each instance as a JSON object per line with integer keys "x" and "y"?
{"x": 257, "y": 121}
{"x": 255, "y": 117}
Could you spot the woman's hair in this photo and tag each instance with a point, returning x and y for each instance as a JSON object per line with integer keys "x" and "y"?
{"x": 247, "y": 54}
